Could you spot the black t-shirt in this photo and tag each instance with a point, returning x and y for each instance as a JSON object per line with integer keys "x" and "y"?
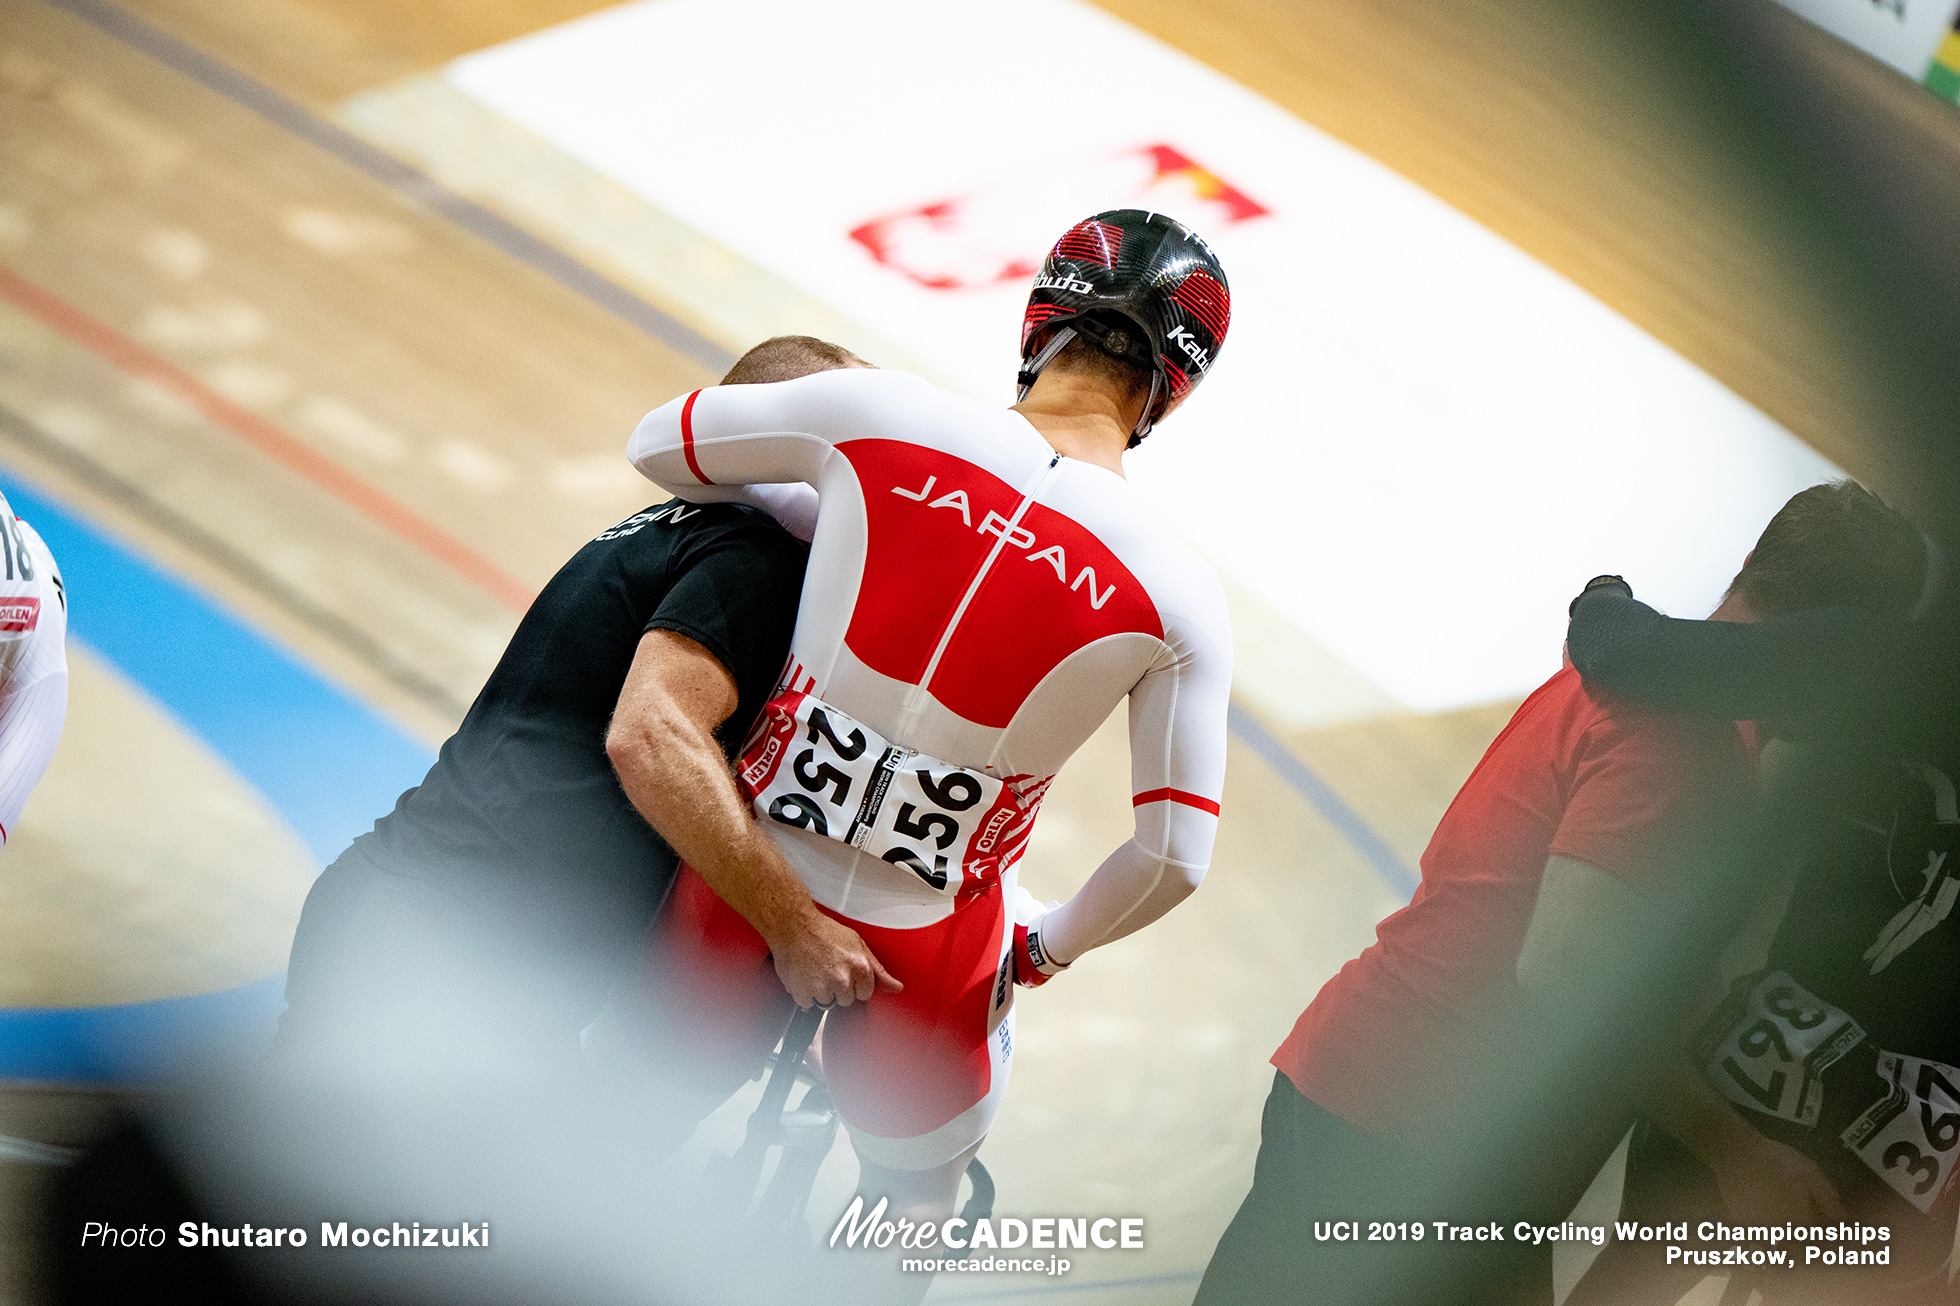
{"x": 1870, "y": 929}
{"x": 1870, "y": 925}
{"x": 522, "y": 807}
{"x": 1868, "y": 810}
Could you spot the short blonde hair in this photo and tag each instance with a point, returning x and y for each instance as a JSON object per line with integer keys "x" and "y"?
{"x": 784, "y": 358}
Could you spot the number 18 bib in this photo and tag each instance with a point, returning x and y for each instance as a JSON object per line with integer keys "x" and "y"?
{"x": 814, "y": 768}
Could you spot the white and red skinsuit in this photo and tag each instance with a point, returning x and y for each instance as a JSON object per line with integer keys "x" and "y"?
{"x": 33, "y": 663}
{"x": 976, "y": 597}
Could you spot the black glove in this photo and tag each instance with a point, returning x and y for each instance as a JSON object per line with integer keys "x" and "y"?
{"x": 1598, "y": 583}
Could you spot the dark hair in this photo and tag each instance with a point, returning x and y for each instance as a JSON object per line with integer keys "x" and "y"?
{"x": 1084, "y": 357}
{"x": 1834, "y": 545}
{"x": 784, "y": 358}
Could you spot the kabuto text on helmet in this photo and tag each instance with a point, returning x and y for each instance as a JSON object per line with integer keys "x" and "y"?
{"x": 1140, "y": 286}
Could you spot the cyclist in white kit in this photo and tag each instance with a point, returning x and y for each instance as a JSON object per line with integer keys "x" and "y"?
{"x": 984, "y": 587}
{"x": 33, "y": 663}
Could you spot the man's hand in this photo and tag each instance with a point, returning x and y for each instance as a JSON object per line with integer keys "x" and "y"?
{"x": 824, "y": 961}
{"x": 1761, "y": 1180}
{"x": 1033, "y": 964}
{"x": 663, "y": 747}
{"x": 1766, "y": 1182}
{"x": 1617, "y": 584}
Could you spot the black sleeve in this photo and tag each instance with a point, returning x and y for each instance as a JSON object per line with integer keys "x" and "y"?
{"x": 734, "y": 592}
{"x": 1808, "y": 675}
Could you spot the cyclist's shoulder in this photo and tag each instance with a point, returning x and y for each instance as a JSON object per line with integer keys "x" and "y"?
{"x": 1194, "y": 601}
{"x": 852, "y": 386}
{"x": 857, "y": 402}
{"x": 1139, "y": 532}
{"x": 1184, "y": 588}
{"x": 1189, "y": 593}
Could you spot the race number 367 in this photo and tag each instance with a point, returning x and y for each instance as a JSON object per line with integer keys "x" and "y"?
{"x": 1911, "y": 1136}
{"x": 1768, "y": 1045}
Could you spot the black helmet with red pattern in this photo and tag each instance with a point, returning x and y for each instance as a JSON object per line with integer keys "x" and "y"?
{"x": 1140, "y": 286}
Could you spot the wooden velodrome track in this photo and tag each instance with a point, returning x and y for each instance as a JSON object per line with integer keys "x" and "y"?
{"x": 371, "y": 432}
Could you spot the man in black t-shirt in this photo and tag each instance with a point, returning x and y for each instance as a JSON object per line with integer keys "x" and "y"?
{"x": 1840, "y": 1041}
{"x": 427, "y": 1069}
{"x": 498, "y": 901}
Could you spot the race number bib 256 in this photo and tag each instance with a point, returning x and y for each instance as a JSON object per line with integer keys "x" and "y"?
{"x": 812, "y": 767}
{"x": 1766, "y": 1048}
{"x": 1911, "y": 1136}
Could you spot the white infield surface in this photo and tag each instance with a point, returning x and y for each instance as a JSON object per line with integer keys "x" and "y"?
{"x": 1418, "y": 442}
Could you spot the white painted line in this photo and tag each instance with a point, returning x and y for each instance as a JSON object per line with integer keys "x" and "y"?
{"x": 1418, "y": 442}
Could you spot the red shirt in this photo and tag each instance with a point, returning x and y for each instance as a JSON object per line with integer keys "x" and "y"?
{"x": 1567, "y": 777}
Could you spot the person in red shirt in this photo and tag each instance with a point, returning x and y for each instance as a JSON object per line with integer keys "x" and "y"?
{"x": 1569, "y": 778}
{"x": 1577, "y": 792}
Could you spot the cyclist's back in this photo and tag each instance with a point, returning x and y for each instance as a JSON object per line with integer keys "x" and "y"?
{"x": 976, "y": 604}
{"x": 972, "y": 595}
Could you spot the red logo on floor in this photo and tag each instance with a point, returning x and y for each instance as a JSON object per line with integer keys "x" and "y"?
{"x": 1000, "y": 234}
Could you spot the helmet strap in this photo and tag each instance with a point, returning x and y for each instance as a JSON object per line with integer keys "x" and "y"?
{"x": 1032, "y": 368}
{"x": 1144, "y": 421}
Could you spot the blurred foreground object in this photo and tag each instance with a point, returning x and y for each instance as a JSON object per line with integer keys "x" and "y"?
{"x": 1835, "y": 1036}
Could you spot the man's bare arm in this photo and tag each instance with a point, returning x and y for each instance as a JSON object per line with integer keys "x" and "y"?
{"x": 1587, "y": 922}
{"x": 663, "y": 747}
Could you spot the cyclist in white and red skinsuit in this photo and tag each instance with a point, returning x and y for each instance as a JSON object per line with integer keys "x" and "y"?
{"x": 984, "y": 587}
{"x": 33, "y": 663}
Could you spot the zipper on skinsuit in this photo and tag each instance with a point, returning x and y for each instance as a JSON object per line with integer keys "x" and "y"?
{"x": 915, "y": 698}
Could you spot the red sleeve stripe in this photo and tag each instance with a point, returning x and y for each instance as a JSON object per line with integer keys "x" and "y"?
{"x": 1198, "y": 801}
{"x": 687, "y": 439}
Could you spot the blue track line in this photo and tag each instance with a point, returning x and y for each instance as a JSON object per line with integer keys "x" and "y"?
{"x": 1329, "y": 804}
{"x": 582, "y": 280}
{"x": 328, "y": 763}
{"x": 138, "y": 1041}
